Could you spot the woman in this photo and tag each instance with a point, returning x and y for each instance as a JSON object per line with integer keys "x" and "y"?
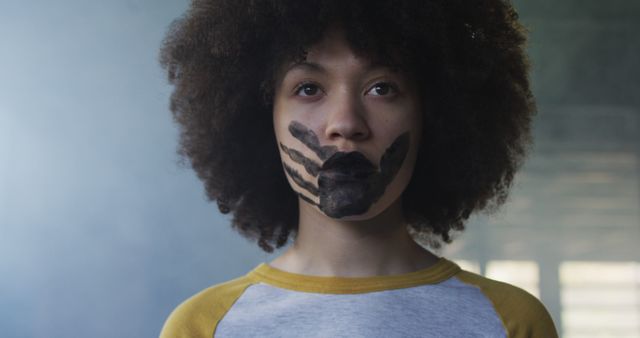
{"x": 358, "y": 129}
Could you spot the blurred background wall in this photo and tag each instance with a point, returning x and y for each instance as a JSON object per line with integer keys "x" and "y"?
{"x": 103, "y": 232}
{"x": 572, "y": 227}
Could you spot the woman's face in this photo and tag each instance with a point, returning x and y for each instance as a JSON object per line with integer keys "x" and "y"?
{"x": 347, "y": 129}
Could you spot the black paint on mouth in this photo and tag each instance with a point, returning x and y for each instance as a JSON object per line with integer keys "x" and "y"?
{"x": 348, "y": 183}
{"x": 349, "y": 164}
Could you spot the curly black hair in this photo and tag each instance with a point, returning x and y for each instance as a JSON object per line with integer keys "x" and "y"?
{"x": 222, "y": 57}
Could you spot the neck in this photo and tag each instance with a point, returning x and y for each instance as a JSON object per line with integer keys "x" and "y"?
{"x": 377, "y": 246}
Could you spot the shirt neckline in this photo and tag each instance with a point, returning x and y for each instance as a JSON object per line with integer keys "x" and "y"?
{"x": 441, "y": 270}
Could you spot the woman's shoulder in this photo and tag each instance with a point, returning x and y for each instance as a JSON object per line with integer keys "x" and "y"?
{"x": 522, "y": 314}
{"x": 199, "y": 314}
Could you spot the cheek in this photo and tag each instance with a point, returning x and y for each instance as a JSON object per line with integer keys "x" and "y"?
{"x": 283, "y": 115}
{"x": 406, "y": 170}
{"x": 281, "y": 129}
{"x": 277, "y": 121}
{"x": 411, "y": 121}
{"x": 416, "y": 139}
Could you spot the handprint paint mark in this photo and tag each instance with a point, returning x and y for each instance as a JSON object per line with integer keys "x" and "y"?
{"x": 310, "y": 139}
{"x": 308, "y": 186}
{"x": 311, "y": 167}
{"x": 348, "y": 183}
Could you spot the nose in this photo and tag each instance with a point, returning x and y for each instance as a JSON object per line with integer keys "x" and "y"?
{"x": 346, "y": 119}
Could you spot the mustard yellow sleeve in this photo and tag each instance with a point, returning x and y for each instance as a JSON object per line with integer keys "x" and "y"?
{"x": 198, "y": 316}
{"x": 523, "y": 315}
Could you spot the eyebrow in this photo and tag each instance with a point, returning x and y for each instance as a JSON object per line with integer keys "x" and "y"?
{"x": 317, "y": 68}
{"x": 305, "y": 65}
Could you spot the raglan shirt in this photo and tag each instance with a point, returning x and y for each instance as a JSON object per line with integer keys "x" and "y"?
{"x": 439, "y": 301}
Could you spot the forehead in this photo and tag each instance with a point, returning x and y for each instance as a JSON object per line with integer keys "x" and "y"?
{"x": 333, "y": 51}
{"x": 335, "y": 48}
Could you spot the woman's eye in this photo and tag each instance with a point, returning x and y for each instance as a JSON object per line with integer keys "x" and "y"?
{"x": 381, "y": 89}
{"x": 307, "y": 89}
